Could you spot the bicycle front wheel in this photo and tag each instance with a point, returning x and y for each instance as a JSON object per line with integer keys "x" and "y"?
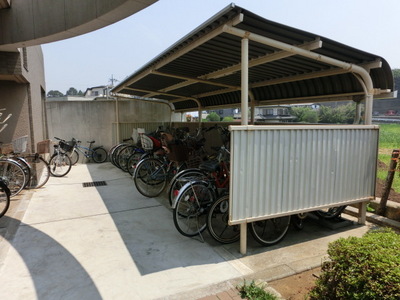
{"x": 99, "y": 155}
{"x": 40, "y": 171}
{"x": 133, "y": 160}
{"x": 271, "y": 231}
{"x": 123, "y": 156}
{"x": 192, "y": 205}
{"x": 180, "y": 179}
{"x": 13, "y": 176}
{"x": 4, "y": 198}
{"x": 60, "y": 164}
{"x": 217, "y": 222}
{"x": 150, "y": 177}
{"x": 74, "y": 156}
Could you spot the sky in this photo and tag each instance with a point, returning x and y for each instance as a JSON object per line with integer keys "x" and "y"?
{"x": 118, "y": 50}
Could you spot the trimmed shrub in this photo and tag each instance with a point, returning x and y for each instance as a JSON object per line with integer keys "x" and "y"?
{"x": 361, "y": 268}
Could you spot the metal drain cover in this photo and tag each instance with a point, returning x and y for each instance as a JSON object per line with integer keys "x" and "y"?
{"x": 94, "y": 183}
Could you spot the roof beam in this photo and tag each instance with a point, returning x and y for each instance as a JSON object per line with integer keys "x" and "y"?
{"x": 189, "y": 81}
{"x": 359, "y": 72}
{"x": 316, "y": 44}
{"x": 205, "y": 38}
{"x": 158, "y": 93}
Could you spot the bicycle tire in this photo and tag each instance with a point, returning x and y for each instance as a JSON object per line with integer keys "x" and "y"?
{"x": 217, "y": 222}
{"x": 99, "y": 155}
{"x": 133, "y": 160}
{"x": 13, "y": 176}
{"x": 114, "y": 154}
{"x": 25, "y": 166}
{"x": 180, "y": 179}
{"x": 74, "y": 156}
{"x": 4, "y": 198}
{"x": 270, "y": 231}
{"x": 191, "y": 209}
{"x": 40, "y": 171}
{"x": 123, "y": 156}
{"x": 330, "y": 213}
{"x": 150, "y": 177}
{"x": 60, "y": 165}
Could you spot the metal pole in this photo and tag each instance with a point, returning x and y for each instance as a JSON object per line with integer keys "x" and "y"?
{"x": 245, "y": 118}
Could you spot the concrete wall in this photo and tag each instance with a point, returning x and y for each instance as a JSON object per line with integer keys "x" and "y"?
{"x": 94, "y": 120}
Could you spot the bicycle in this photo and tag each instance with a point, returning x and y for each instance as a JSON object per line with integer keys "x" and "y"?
{"x": 152, "y": 173}
{"x": 195, "y": 197}
{"x": 60, "y": 163}
{"x": 4, "y": 198}
{"x": 13, "y": 175}
{"x": 98, "y": 154}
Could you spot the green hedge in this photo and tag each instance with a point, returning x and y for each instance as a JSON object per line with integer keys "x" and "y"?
{"x": 361, "y": 268}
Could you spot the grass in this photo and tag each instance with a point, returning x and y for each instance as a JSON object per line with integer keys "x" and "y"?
{"x": 255, "y": 291}
{"x": 389, "y": 139}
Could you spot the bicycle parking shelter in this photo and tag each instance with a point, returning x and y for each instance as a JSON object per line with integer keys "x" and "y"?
{"x": 239, "y": 59}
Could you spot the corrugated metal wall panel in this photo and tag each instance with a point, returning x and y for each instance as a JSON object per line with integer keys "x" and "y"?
{"x": 286, "y": 169}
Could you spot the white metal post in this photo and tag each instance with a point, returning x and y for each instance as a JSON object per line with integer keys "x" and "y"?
{"x": 244, "y": 117}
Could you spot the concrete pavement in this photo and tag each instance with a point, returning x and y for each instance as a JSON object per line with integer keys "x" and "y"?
{"x": 66, "y": 241}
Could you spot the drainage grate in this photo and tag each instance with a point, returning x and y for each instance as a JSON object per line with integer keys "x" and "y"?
{"x": 94, "y": 183}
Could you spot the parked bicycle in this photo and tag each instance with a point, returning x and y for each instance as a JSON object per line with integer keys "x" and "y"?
{"x": 13, "y": 175}
{"x": 195, "y": 197}
{"x": 74, "y": 148}
{"x": 152, "y": 174}
{"x": 60, "y": 163}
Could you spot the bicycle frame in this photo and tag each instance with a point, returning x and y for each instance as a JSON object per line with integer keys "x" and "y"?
{"x": 86, "y": 151}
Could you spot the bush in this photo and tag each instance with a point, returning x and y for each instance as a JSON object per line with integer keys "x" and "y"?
{"x": 361, "y": 268}
{"x": 213, "y": 117}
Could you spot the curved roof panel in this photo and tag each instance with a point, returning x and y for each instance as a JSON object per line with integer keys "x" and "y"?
{"x": 204, "y": 67}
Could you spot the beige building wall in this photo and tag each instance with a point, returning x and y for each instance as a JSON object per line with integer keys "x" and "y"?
{"x": 22, "y": 95}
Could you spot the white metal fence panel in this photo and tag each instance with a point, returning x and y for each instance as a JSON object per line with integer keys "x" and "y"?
{"x": 280, "y": 170}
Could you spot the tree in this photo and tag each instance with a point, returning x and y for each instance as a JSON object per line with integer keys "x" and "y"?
{"x": 72, "y": 92}
{"x": 304, "y": 114}
{"x": 396, "y": 73}
{"x": 54, "y": 93}
{"x": 343, "y": 114}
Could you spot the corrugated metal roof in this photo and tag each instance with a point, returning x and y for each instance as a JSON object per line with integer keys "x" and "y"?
{"x": 204, "y": 67}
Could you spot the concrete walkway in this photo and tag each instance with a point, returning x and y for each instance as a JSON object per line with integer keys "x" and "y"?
{"x": 66, "y": 241}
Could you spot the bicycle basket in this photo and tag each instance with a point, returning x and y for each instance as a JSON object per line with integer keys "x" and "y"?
{"x": 65, "y": 146}
{"x": 147, "y": 143}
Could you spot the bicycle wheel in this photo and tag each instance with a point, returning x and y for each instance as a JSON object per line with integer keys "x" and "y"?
{"x": 271, "y": 231}
{"x": 217, "y": 222}
{"x": 192, "y": 205}
{"x": 99, "y": 155}
{"x": 13, "y": 176}
{"x": 4, "y": 198}
{"x": 133, "y": 160}
{"x": 150, "y": 177}
{"x": 25, "y": 166}
{"x": 180, "y": 179}
{"x": 114, "y": 153}
{"x": 330, "y": 213}
{"x": 123, "y": 157}
{"x": 40, "y": 171}
{"x": 74, "y": 156}
{"x": 60, "y": 164}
